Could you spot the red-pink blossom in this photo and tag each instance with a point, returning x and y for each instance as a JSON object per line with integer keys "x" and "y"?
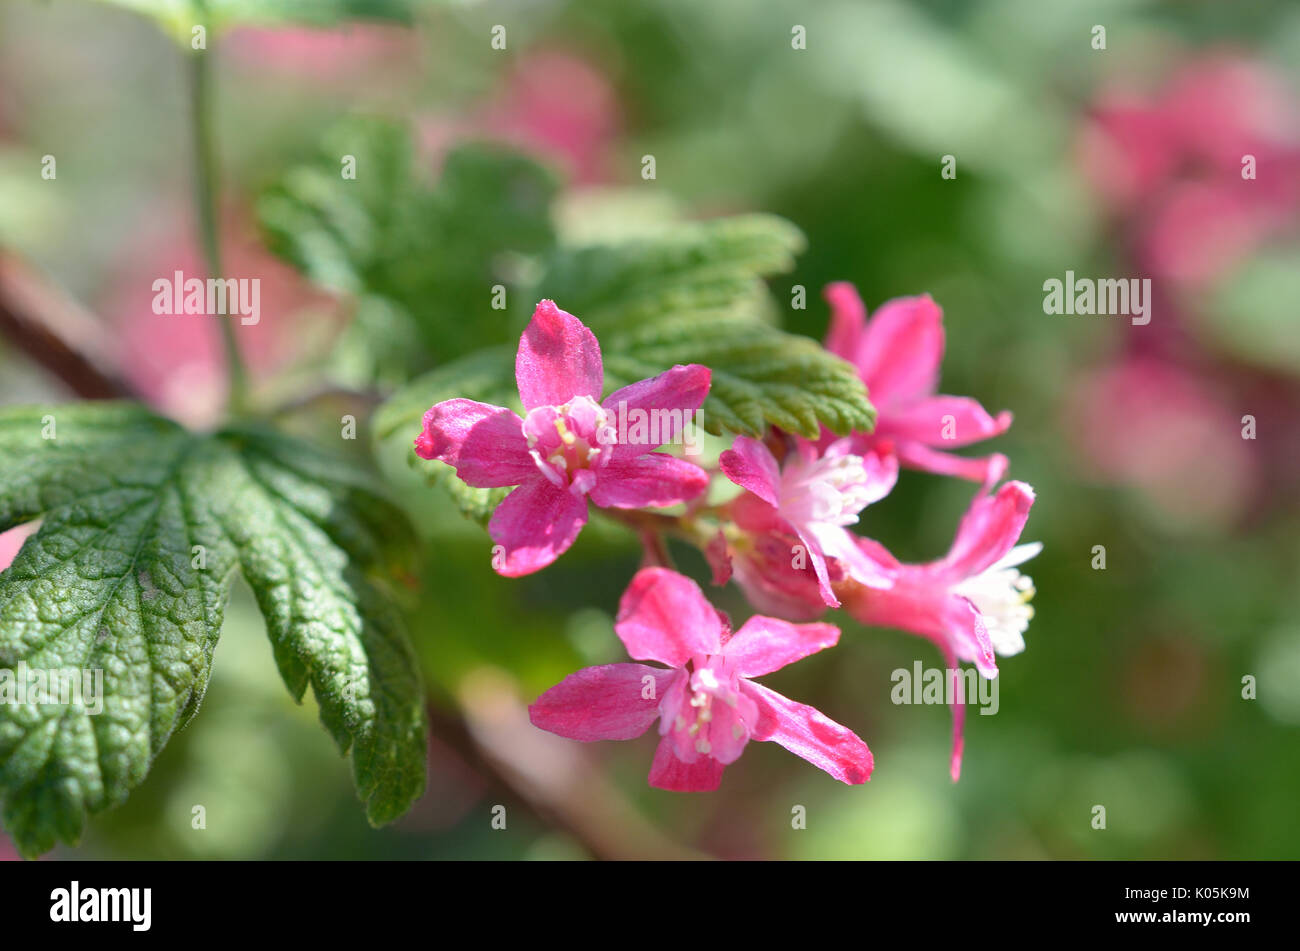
{"x": 568, "y": 447}
{"x": 972, "y": 603}
{"x": 1171, "y": 163}
{"x": 707, "y": 705}
{"x": 814, "y": 495}
{"x": 897, "y": 353}
{"x": 1146, "y": 423}
{"x": 346, "y": 55}
{"x": 553, "y": 104}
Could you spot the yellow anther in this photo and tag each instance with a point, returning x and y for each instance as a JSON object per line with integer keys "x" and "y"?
{"x": 566, "y": 437}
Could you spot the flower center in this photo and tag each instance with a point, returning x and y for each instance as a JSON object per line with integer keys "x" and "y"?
{"x": 568, "y": 442}
{"x": 1002, "y": 595}
{"x": 706, "y": 714}
{"x": 832, "y": 489}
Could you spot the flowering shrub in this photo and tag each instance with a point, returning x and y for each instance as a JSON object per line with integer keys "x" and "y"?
{"x": 790, "y": 530}
{"x": 666, "y": 400}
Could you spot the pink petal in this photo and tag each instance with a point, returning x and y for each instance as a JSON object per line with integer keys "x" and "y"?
{"x": 751, "y": 465}
{"x": 663, "y": 616}
{"x": 683, "y": 388}
{"x": 848, "y": 318}
{"x": 756, "y": 517}
{"x": 612, "y": 702}
{"x": 958, "y": 716}
{"x": 810, "y": 734}
{"x": 879, "y": 554}
{"x": 839, "y": 543}
{"x": 535, "y": 524}
{"x": 765, "y": 644}
{"x": 655, "y": 479}
{"x": 880, "y": 464}
{"x": 988, "y": 530}
{"x": 718, "y": 557}
{"x": 915, "y": 603}
{"x": 967, "y": 635}
{"x": 929, "y": 420}
{"x": 669, "y": 772}
{"x": 817, "y": 559}
{"x": 770, "y": 581}
{"x": 558, "y": 359}
{"x": 900, "y": 352}
{"x": 484, "y": 442}
{"x": 986, "y": 470}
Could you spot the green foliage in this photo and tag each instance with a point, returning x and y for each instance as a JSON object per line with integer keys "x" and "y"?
{"x": 420, "y": 260}
{"x": 142, "y": 527}
{"x": 178, "y": 17}
{"x": 706, "y": 271}
{"x": 761, "y": 376}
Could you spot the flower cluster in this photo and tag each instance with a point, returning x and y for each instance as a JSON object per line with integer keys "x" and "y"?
{"x": 787, "y": 539}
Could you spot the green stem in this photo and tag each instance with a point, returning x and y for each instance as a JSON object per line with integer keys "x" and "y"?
{"x": 206, "y": 188}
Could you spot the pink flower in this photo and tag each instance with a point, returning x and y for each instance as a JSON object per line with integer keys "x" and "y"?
{"x": 897, "y": 354}
{"x": 764, "y": 558}
{"x": 552, "y": 103}
{"x": 347, "y": 55}
{"x": 972, "y": 603}
{"x": 707, "y": 706}
{"x": 1145, "y": 423}
{"x": 1171, "y": 164}
{"x": 568, "y": 447}
{"x": 814, "y": 495}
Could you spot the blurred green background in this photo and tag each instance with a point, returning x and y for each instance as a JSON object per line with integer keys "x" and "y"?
{"x": 1130, "y": 692}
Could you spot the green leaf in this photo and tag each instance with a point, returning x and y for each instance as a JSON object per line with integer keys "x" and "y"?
{"x": 710, "y": 271}
{"x": 142, "y": 527}
{"x": 179, "y": 17}
{"x": 421, "y": 259}
{"x": 761, "y": 376}
{"x": 697, "y": 295}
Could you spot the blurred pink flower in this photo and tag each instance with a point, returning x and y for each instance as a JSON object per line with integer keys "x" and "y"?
{"x": 569, "y": 447}
{"x": 1154, "y": 426}
{"x": 552, "y": 103}
{"x": 897, "y": 353}
{"x": 177, "y": 363}
{"x": 340, "y": 54}
{"x": 1170, "y": 165}
{"x": 707, "y": 706}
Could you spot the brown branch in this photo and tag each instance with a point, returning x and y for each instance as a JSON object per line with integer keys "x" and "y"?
{"x": 55, "y": 331}
{"x": 557, "y": 778}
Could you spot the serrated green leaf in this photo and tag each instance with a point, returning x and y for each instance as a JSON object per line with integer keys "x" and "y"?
{"x": 711, "y": 271}
{"x": 418, "y": 253}
{"x": 112, "y": 581}
{"x": 761, "y": 376}
{"x": 697, "y": 295}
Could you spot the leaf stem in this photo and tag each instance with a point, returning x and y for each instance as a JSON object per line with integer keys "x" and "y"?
{"x": 206, "y": 191}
